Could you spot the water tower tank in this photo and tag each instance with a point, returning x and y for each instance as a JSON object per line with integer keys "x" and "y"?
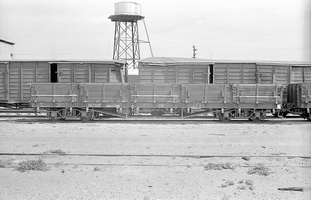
{"x": 127, "y": 8}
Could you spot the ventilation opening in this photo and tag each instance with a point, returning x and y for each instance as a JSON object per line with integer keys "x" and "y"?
{"x": 211, "y": 74}
{"x": 53, "y": 73}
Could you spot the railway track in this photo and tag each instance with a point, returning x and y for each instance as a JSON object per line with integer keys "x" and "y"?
{"x": 148, "y": 119}
{"x": 89, "y": 159}
{"x": 153, "y": 155}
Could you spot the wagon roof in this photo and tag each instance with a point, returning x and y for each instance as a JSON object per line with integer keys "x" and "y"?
{"x": 65, "y": 61}
{"x": 178, "y": 60}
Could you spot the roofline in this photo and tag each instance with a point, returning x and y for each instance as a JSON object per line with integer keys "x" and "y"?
{"x": 63, "y": 61}
{"x": 180, "y": 61}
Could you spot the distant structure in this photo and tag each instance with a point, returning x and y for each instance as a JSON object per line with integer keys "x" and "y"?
{"x": 126, "y": 36}
{"x": 6, "y": 49}
{"x": 194, "y": 50}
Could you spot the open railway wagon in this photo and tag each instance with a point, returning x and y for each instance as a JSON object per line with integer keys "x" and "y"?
{"x": 86, "y": 101}
{"x": 298, "y": 100}
{"x": 225, "y": 101}
{"x": 93, "y": 100}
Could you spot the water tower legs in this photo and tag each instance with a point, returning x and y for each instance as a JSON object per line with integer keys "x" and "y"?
{"x": 126, "y": 43}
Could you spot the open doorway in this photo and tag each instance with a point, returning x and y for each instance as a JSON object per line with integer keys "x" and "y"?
{"x": 211, "y": 74}
{"x": 53, "y": 73}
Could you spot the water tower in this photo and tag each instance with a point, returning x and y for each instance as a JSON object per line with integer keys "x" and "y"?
{"x": 126, "y": 35}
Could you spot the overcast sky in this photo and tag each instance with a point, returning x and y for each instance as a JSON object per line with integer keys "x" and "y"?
{"x": 275, "y": 30}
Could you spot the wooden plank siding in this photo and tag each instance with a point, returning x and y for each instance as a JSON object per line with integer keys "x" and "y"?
{"x": 88, "y": 73}
{"x": 20, "y": 75}
{"x": 300, "y": 74}
{"x": 283, "y": 74}
{"x": 3, "y": 82}
{"x": 54, "y": 95}
{"x": 192, "y": 74}
{"x": 100, "y": 74}
{"x": 235, "y": 73}
{"x": 15, "y": 82}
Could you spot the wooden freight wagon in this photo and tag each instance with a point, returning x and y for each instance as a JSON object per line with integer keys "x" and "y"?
{"x": 16, "y": 76}
{"x": 228, "y": 101}
{"x": 198, "y": 71}
{"x": 82, "y": 100}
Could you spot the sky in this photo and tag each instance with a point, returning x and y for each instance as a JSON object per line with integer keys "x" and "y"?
{"x": 261, "y": 30}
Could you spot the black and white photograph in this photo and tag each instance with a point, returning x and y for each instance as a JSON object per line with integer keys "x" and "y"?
{"x": 155, "y": 100}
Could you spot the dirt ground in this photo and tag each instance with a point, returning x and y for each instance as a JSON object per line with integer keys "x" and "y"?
{"x": 156, "y": 160}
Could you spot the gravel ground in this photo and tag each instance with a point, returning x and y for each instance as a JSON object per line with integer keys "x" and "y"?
{"x": 163, "y": 160}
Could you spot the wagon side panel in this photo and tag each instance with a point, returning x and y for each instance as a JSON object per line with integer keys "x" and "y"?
{"x": 81, "y": 73}
{"x": 257, "y": 96}
{"x": 208, "y": 96}
{"x": 154, "y": 96}
{"x": 3, "y": 82}
{"x": 54, "y": 95}
{"x": 43, "y": 72}
{"x": 29, "y": 76}
{"x": 200, "y": 74}
{"x": 15, "y": 82}
{"x": 220, "y": 73}
{"x": 100, "y": 73}
{"x": 106, "y": 95}
{"x": 265, "y": 74}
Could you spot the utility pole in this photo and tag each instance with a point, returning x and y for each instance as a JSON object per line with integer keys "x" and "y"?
{"x": 194, "y": 51}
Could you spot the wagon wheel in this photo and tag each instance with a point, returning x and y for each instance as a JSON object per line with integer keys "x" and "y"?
{"x": 284, "y": 114}
{"x": 89, "y": 117}
{"x": 221, "y": 117}
{"x": 276, "y": 114}
{"x": 49, "y": 115}
{"x": 253, "y": 117}
{"x": 157, "y": 113}
{"x": 60, "y": 116}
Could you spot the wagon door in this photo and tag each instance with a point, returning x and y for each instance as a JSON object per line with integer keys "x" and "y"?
{"x": 3, "y": 82}
{"x": 201, "y": 74}
{"x": 64, "y": 72}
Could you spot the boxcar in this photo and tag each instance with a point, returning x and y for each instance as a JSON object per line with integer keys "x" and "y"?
{"x": 16, "y": 76}
{"x": 198, "y": 71}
